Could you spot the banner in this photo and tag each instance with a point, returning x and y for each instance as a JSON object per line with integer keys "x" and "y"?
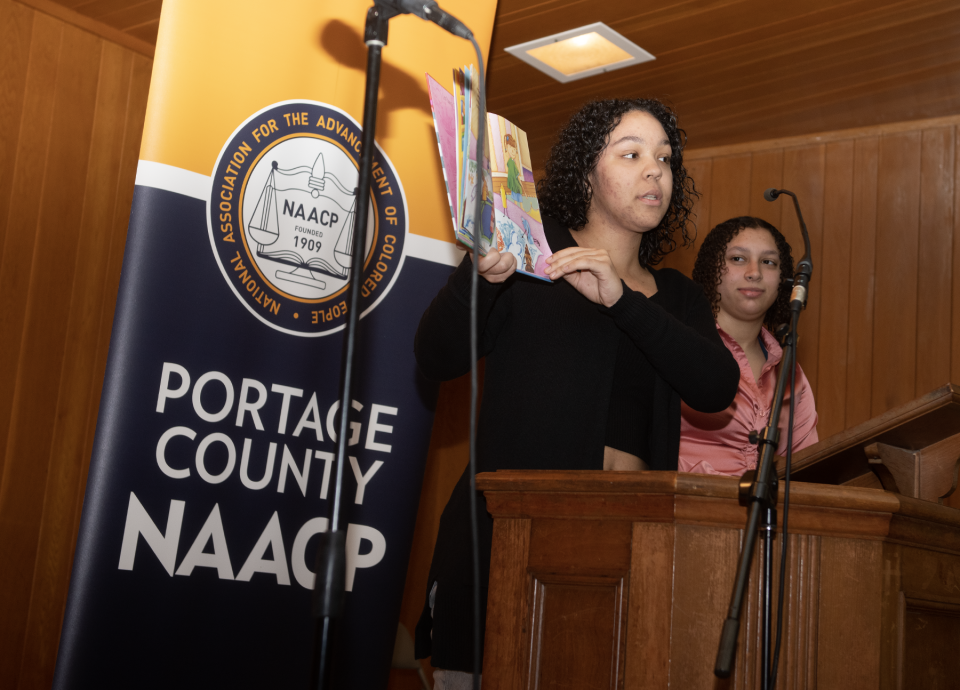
{"x": 215, "y": 450}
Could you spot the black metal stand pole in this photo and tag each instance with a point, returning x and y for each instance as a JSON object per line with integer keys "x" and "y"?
{"x": 759, "y": 490}
{"x": 769, "y": 533}
{"x": 329, "y": 592}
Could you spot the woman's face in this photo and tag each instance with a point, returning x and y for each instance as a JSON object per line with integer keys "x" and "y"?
{"x": 750, "y": 281}
{"x": 632, "y": 183}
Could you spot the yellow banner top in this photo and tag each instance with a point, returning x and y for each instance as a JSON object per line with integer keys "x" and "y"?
{"x": 227, "y": 59}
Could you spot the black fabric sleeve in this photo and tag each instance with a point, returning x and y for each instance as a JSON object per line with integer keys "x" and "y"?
{"x": 689, "y": 355}
{"x": 442, "y": 342}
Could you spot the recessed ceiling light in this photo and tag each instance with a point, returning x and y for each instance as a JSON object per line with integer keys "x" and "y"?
{"x": 580, "y": 53}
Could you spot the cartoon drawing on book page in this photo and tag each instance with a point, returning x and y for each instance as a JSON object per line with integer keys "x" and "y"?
{"x": 517, "y": 210}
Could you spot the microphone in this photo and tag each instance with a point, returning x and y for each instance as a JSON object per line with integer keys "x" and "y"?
{"x": 804, "y": 268}
{"x": 430, "y": 11}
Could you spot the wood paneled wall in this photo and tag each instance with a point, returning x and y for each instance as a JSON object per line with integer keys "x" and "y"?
{"x": 71, "y": 115}
{"x": 882, "y": 324}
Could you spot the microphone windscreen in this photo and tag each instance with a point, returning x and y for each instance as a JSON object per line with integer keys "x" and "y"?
{"x": 771, "y": 194}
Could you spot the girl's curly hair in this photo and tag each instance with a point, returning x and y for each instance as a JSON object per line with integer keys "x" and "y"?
{"x": 711, "y": 265}
{"x": 565, "y": 192}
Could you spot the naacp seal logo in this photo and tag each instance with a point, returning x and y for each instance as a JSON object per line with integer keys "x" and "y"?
{"x": 282, "y": 211}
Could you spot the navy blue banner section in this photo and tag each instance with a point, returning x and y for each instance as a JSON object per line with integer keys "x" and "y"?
{"x": 213, "y": 469}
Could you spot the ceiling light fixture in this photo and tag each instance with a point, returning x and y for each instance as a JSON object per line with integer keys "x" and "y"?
{"x": 580, "y": 53}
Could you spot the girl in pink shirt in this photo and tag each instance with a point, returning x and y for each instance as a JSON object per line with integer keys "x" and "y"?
{"x": 741, "y": 266}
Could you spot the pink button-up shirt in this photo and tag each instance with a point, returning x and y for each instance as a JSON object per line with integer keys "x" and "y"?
{"x": 718, "y": 443}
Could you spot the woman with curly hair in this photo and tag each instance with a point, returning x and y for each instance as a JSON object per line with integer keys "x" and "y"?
{"x": 745, "y": 268}
{"x": 587, "y": 372}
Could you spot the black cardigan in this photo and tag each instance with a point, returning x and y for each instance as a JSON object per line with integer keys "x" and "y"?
{"x": 550, "y": 356}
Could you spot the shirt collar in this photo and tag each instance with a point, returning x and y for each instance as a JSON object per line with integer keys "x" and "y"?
{"x": 774, "y": 351}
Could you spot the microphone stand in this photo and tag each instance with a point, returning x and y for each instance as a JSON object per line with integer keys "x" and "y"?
{"x": 329, "y": 594}
{"x": 758, "y": 489}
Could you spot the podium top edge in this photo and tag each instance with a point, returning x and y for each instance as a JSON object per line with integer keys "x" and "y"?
{"x": 681, "y": 485}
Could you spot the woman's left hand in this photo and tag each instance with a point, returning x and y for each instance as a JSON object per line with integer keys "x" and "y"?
{"x": 588, "y": 270}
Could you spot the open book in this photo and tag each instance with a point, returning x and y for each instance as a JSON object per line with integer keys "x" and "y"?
{"x": 510, "y": 217}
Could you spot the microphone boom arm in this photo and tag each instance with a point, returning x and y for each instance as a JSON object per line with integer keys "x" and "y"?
{"x": 804, "y": 269}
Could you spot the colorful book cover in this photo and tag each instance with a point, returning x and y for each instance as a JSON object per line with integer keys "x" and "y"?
{"x": 470, "y": 116}
{"x": 444, "y": 122}
{"x": 510, "y": 218}
{"x": 460, "y": 94}
{"x": 464, "y": 157}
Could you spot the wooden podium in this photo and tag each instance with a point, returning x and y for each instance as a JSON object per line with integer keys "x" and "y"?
{"x": 623, "y": 579}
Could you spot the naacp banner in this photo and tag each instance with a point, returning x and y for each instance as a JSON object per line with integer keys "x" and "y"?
{"x": 215, "y": 454}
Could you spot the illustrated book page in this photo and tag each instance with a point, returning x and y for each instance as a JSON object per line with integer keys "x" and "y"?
{"x": 510, "y": 220}
{"x": 516, "y": 207}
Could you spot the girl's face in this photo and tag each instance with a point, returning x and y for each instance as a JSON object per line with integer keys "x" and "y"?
{"x": 633, "y": 181}
{"x": 750, "y": 281}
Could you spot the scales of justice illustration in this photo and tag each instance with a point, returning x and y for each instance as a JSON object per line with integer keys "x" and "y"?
{"x": 299, "y": 212}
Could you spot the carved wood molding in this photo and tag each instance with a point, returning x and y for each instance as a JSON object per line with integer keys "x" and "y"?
{"x": 589, "y": 617}
{"x": 798, "y": 655}
{"x": 928, "y": 629}
{"x": 929, "y": 474}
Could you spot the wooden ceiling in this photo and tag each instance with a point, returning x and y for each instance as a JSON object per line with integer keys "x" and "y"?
{"x": 743, "y": 70}
{"x": 735, "y": 70}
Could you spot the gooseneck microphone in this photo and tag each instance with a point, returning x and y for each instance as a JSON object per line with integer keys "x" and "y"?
{"x": 804, "y": 270}
{"x": 430, "y": 11}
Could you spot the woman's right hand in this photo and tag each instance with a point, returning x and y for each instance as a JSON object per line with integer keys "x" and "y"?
{"x": 495, "y": 267}
{"x": 590, "y": 271}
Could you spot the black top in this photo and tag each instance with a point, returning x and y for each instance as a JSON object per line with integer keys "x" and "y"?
{"x": 632, "y": 376}
{"x": 548, "y": 380}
